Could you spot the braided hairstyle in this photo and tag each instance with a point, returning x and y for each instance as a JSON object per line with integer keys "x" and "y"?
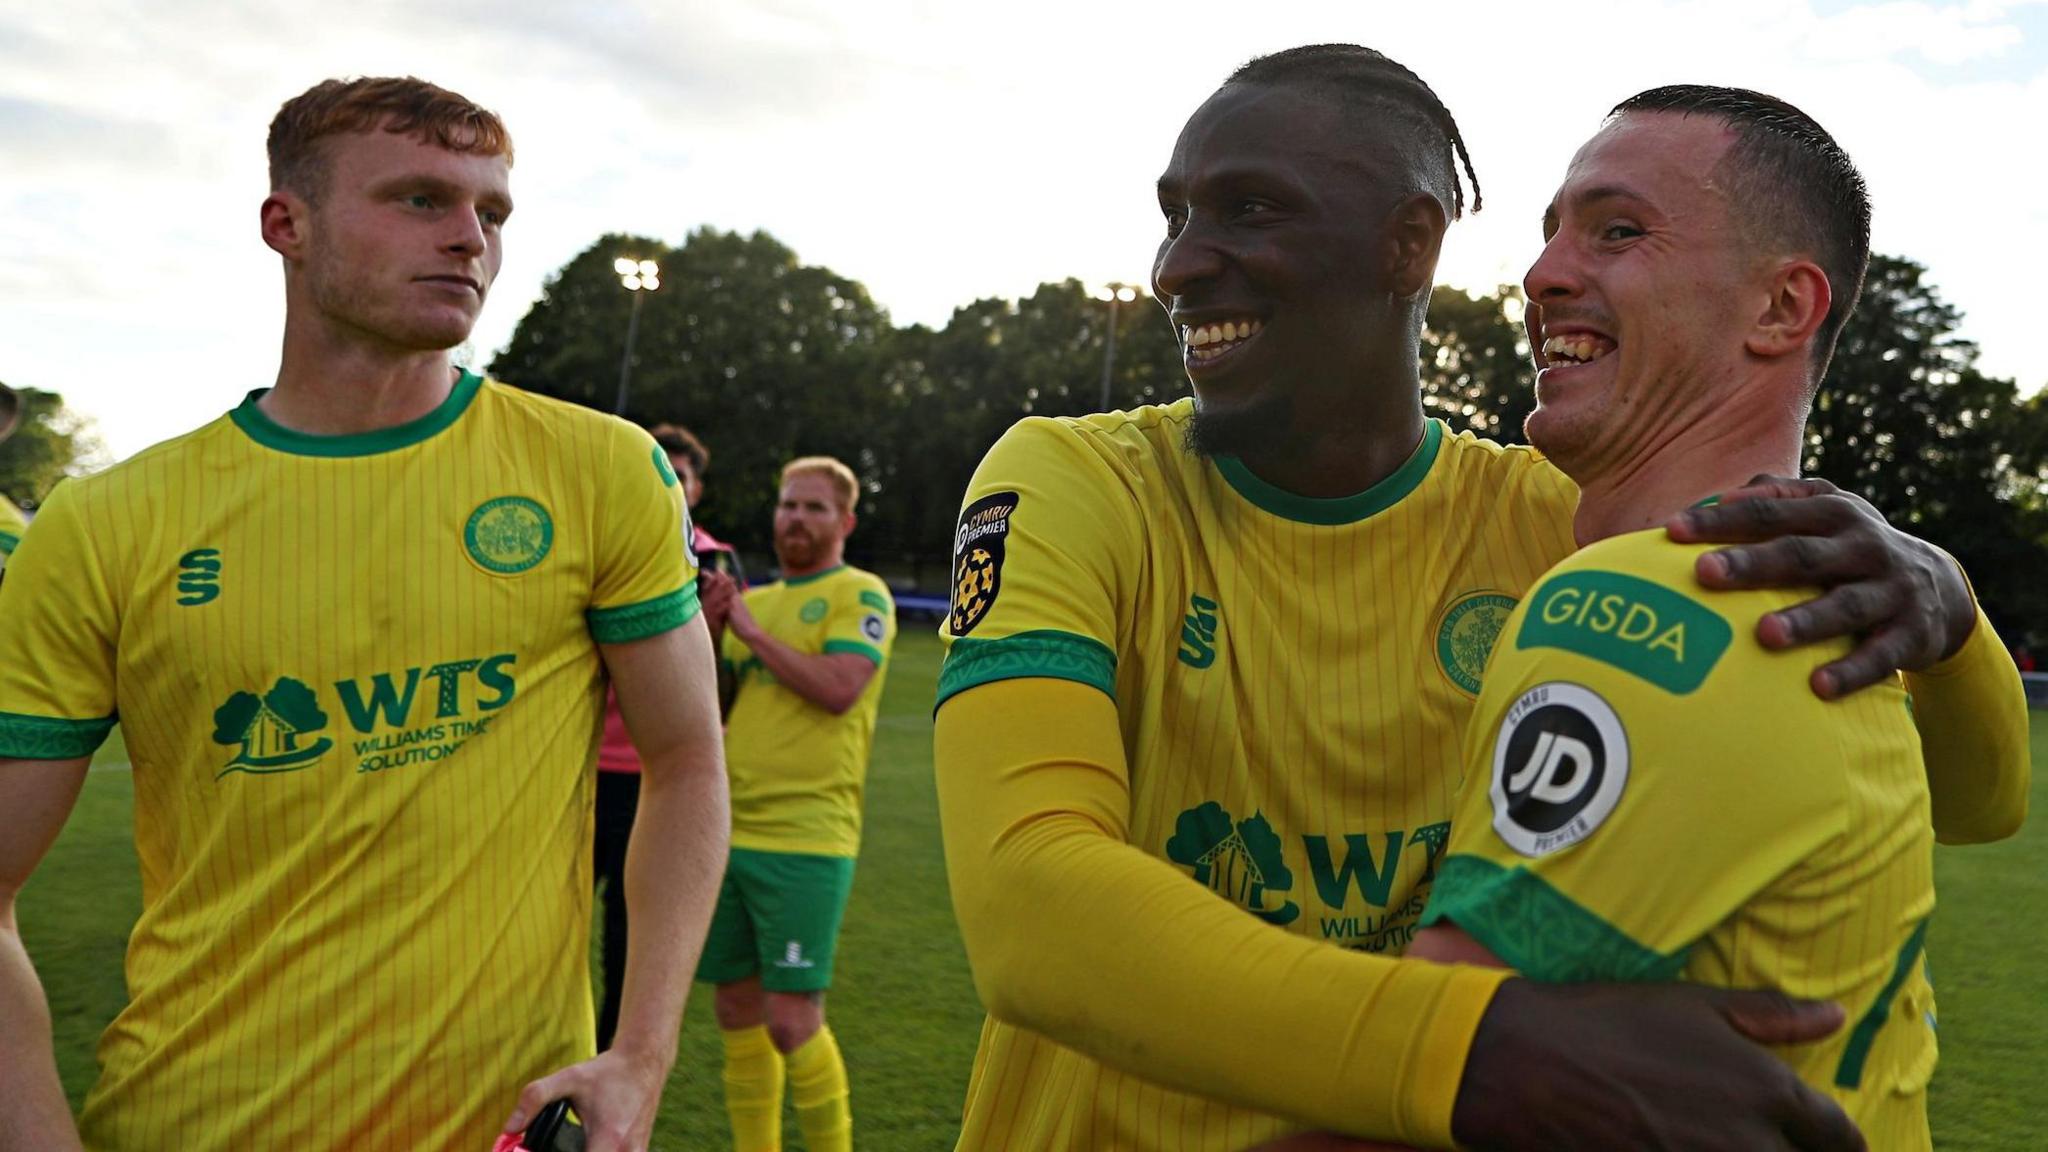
{"x": 1358, "y": 74}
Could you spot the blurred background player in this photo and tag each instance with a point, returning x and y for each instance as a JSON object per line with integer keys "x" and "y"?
{"x": 1700, "y": 259}
{"x": 1208, "y": 671}
{"x": 12, "y": 523}
{"x": 356, "y": 633}
{"x": 618, "y": 765}
{"x": 809, "y": 652}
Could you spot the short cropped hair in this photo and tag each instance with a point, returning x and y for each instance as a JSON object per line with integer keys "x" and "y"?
{"x": 404, "y": 105}
{"x": 677, "y": 440}
{"x": 1792, "y": 186}
{"x": 845, "y": 484}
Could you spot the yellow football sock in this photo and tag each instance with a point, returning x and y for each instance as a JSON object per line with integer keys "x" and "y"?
{"x": 817, "y": 1083}
{"x": 753, "y": 1089}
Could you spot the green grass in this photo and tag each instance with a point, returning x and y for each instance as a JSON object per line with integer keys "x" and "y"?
{"x": 904, "y": 1009}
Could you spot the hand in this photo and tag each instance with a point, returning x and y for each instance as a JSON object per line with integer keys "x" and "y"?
{"x": 615, "y": 1095}
{"x": 1597, "y": 1067}
{"x": 738, "y": 618}
{"x": 716, "y": 593}
{"x": 1904, "y": 600}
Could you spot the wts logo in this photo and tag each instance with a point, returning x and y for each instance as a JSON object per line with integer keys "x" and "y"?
{"x": 1198, "y": 633}
{"x": 198, "y": 576}
{"x": 277, "y": 731}
{"x": 270, "y": 728}
{"x": 1240, "y": 862}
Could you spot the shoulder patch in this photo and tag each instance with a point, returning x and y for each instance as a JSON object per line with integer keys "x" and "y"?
{"x": 978, "y": 559}
{"x": 1465, "y": 634}
{"x": 1560, "y": 764}
{"x": 1645, "y": 629}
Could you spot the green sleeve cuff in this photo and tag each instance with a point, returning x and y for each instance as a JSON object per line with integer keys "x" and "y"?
{"x": 629, "y": 622}
{"x": 1045, "y": 653}
{"x": 47, "y": 738}
{"x": 9, "y": 541}
{"x": 1539, "y": 931}
{"x": 856, "y": 647}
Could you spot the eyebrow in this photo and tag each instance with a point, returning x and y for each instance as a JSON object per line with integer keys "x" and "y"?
{"x": 427, "y": 182}
{"x": 1594, "y": 195}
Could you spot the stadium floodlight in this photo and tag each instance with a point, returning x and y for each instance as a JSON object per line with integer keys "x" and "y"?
{"x": 638, "y": 277}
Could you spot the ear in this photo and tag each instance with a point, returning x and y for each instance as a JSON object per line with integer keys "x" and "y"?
{"x": 285, "y": 220}
{"x": 1793, "y": 311}
{"x": 1415, "y": 236}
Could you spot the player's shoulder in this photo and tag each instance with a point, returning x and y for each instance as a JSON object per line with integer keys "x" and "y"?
{"x": 861, "y": 580}
{"x": 517, "y": 406}
{"x": 1489, "y": 463}
{"x": 139, "y": 478}
{"x": 1152, "y": 436}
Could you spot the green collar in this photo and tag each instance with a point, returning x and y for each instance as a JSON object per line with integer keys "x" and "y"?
{"x": 813, "y": 576}
{"x": 1342, "y": 509}
{"x": 269, "y": 433}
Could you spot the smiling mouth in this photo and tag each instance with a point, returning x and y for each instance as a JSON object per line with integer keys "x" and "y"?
{"x": 1206, "y": 342}
{"x": 1576, "y": 348}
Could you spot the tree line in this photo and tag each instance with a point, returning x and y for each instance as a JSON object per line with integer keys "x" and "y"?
{"x": 766, "y": 358}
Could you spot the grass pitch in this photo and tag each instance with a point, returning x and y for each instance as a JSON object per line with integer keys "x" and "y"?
{"x": 904, "y": 1008}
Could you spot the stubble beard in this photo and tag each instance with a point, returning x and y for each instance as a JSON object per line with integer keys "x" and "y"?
{"x": 1257, "y": 425}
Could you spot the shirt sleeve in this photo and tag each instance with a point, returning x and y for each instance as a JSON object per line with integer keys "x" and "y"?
{"x": 863, "y": 621}
{"x": 1034, "y": 798}
{"x": 645, "y": 573}
{"x": 11, "y": 527}
{"x": 1972, "y": 713}
{"x": 1046, "y": 555}
{"x": 58, "y": 621}
{"x": 1637, "y": 770}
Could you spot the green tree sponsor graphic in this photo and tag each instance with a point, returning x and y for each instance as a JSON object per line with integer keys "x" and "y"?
{"x": 1240, "y": 862}
{"x": 273, "y": 731}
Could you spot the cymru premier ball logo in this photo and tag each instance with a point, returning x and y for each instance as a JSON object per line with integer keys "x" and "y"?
{"x": 1465, "y": 636}
{"x": 277, "y": 731}
{"x": 978, "y": 559}
{"x": 508, "y": 535}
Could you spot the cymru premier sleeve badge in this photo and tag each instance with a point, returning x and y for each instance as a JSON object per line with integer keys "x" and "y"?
{"x": 978, "y": 559}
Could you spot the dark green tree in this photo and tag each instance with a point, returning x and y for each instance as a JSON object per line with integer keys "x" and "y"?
{"x": 48, "y": 441}
{"x": 296, "y": 705}
{"x": 231, "y": 720}
{"x": 1476, "y": 369}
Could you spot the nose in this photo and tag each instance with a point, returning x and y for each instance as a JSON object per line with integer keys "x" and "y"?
{"x": 1556, "y": 274}
{"x": 1185, "y": 261}
{"x": 466, "y": 233}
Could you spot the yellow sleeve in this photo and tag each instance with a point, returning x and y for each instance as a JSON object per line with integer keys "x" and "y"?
{"x": 1046, "y": 556}
{"x": 645, "y": 579}
{"x": 11, "y": 528}
{"x": 1637, "y": 770}
{"x": 863, "y": 620}
{"x": 58, "y": 621}
{"x": 1034, "y": 803}
{"x": 1971, "y": 710}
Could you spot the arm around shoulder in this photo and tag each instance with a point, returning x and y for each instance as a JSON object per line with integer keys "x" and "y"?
{"x": 1971, "y": 710}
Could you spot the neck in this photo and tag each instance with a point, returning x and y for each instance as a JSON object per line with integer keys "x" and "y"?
{"x": 829, "y": 561}
{"x": 1345, "y": 438}
{"x": 336, "y": 383}
{"x": 1671, "y": 473}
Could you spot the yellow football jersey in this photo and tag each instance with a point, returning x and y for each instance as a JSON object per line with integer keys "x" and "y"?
{"x": 12, "y": 525}
{"x": 1292, "y": 679}
{"x": 1649, "y": 794}
{"x": 797, "y": 770}
{"x": 359, "y": 682}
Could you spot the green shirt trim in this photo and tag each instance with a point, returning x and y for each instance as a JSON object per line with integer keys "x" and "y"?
{"x": 48, "y": 738}
{"x": 799, "y": 581}
{"x": 833, "y": 647}
{"x": 8, "y": 542}
{"x": 1343, "y": 509}
{"x": 876, "y": 600}
{"x": 1537, "y": 930}
{"x": 269, "y": 433}
{"x": 1044, "y": 653}
{"x": 629, "y": 622}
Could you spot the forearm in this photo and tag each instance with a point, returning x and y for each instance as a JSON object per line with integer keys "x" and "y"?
{"x": 1971, "y": 710}
{"x": 1074, "y": 933}
{"x": 832, "y": 681}
{"x": 33, "y": 1114}
{"x": 674, "y": 862}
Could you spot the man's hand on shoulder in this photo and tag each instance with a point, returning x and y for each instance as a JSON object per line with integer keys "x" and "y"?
{"x": 1672, "y": 1066}
{"x": 1904, "y": 600}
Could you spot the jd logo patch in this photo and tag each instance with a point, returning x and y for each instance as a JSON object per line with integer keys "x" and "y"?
{"x": 198, "y": 577}
{"x": 274, "y": 730}
{"x": 1239, "y": 861}
{"x": 1560, "y": 764}
{"x": 508, "y": 535}
{"x": 978, "y": 559}
{"x": 1465, "y": 636}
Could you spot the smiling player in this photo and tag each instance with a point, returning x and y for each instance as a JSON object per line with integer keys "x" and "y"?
{"x": 356, "y": 633}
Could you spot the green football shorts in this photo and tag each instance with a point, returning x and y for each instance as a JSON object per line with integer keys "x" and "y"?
{"x": 778, "y": 917}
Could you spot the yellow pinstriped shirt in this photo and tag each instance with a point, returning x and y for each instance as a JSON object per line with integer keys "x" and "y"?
{"x": 360, "y": 686}
{"x": 1292, "y": 678}
{"x": 1651, "y": 794}
{"x": 12, "y": 525}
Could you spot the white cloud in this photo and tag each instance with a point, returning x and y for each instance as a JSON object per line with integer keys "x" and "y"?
{"x": 936, "y": 152}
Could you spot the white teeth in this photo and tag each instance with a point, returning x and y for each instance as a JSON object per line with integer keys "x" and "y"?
{"x": 1223, "y": 333}
{"x": 1576, "y": 348}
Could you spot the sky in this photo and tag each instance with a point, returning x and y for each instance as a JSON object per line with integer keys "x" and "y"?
{"x": 937, "y": 152}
